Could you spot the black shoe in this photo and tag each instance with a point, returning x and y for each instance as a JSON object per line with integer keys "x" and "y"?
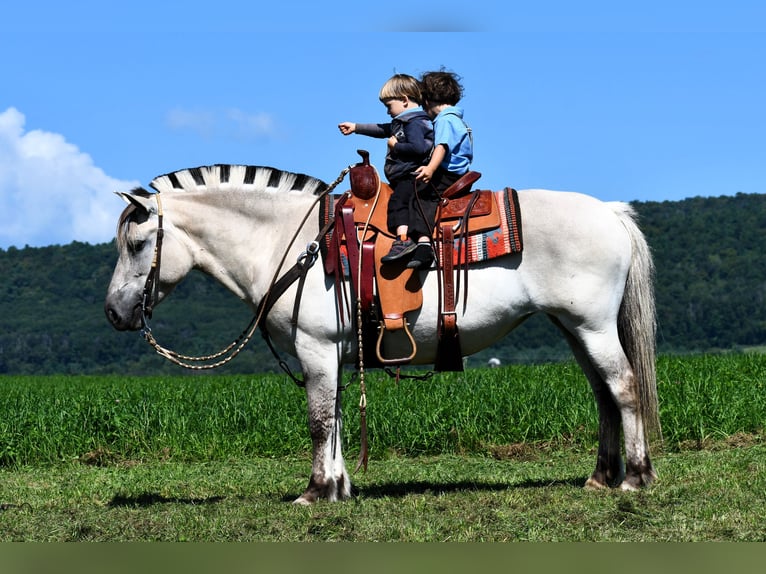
{"x": 423, "y": 258}
{"x": 399, "y": 249}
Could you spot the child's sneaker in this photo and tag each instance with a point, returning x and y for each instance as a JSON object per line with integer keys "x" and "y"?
{"x": 399, "y": 249}
{"x": 423, "y": 257}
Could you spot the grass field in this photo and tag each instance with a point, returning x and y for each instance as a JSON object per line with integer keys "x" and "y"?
{"x": 485, "y": 455}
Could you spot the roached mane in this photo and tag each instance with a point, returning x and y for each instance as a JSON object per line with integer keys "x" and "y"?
{"x": 223, "y": 176}
{"x": 219, "y": 177}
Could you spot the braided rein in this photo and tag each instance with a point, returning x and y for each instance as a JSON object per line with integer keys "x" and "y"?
{"x": 151, "y": 290}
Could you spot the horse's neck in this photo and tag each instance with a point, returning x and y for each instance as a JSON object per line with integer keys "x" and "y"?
{"x": 240, "y": 239}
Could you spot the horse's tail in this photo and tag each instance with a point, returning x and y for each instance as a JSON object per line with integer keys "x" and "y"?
{"x": 637, "y": 321}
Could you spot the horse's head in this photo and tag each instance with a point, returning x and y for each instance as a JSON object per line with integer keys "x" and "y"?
{"x": 213, "y": 215}
{"x": 137, "y": 238}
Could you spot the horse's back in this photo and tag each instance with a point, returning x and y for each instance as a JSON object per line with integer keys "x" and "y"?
{"x": 576, "y": 230}
{"x": 566, "y": 212}
{"x": 577, "y": 251}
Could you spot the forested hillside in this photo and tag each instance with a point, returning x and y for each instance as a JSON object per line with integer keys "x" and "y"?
{"x": 711, "y": 286}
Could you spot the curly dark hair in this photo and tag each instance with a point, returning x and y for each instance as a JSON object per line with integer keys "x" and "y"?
{"x": 441, "y": 87}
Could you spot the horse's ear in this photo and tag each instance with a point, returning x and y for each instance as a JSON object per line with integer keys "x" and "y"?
{"x": 140, "y": 198}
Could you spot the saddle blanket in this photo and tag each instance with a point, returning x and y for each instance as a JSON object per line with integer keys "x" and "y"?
{"x": 480, "y": 246}
{"x": 497, "y": 242}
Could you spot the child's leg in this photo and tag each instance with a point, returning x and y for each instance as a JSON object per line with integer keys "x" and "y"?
{"x": 423, "y": 217}
{"x": 399, "y": 207}
{"x": 398, "y": 220}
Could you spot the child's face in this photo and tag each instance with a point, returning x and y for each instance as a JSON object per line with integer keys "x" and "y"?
{"x": 395, "y": 106}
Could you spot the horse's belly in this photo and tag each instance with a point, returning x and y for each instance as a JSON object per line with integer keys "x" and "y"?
{"x": 495, "y": 305}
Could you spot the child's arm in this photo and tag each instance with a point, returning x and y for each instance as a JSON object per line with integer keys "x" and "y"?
{"x": 426, "y": 172}
{"x": 372, "y": 130}
{"x": 415, "y": 145}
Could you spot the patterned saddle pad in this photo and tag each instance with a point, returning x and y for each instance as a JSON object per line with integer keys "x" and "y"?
{"x": 481, "y": 245}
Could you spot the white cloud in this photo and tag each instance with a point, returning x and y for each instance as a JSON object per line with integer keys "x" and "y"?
{"x": 230, "y": 123}
{"x": 202, "y": 123}
{"x": 257, "y": 125}
{"x": 50, "y": 191}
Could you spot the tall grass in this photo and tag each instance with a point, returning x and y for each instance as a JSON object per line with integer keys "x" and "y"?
{"x": 45, "y": 420}
{"x": 709, "y": 397}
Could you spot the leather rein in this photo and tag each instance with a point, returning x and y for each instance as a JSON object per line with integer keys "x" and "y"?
{"x": 278, "y": 286}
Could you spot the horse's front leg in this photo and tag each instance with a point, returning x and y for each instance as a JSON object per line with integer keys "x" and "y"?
{"x": 329, "y": 477}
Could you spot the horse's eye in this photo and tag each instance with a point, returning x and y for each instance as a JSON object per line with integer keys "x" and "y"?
{"x": 136, "y": 246}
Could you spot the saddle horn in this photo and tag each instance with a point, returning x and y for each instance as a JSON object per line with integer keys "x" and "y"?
{"x": 365, "y": 181}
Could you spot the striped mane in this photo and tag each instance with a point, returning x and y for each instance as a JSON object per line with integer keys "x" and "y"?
{"x": 225, "y": 177}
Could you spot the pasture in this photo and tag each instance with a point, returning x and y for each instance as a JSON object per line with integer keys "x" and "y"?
{"x": 484, "y": 455}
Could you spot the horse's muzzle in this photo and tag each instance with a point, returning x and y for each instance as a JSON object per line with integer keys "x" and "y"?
{"x": 130, "y": 321}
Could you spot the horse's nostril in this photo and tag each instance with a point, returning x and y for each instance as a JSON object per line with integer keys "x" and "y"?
{"x": 112, "y": 315}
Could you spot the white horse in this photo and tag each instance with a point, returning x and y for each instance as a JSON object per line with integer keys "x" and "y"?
{"x": 585, "y": 264}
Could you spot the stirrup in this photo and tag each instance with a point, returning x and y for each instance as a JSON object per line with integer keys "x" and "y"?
{"x": 402, "y": 360}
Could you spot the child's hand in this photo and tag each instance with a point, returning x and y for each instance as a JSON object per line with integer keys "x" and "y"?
{"x": 347, "y": 128}
{"x": 392, "y": 141}
{"x": 423, "y": 173}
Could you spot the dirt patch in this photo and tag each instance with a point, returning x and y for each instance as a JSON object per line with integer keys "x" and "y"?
{"x": 102, "y": 456}
{"x": 515, "y": 451}
{"x": 737, "y": 440}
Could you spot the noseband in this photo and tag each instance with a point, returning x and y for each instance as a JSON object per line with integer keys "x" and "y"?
{"x": 152, "y": 285}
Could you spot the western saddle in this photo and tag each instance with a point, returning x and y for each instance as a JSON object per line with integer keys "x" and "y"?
{"x": 385, "y": 293}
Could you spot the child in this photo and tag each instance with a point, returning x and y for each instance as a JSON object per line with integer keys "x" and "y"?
{"x": 453, "y": 150}
{"x": 410, "y": 141}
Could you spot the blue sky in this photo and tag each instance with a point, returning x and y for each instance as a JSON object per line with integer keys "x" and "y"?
{"x": 646, "y": 101}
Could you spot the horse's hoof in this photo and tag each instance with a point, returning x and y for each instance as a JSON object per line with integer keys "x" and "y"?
{"x": 305, "y": 499}
{"x": 593, "y": 484}
{"x": 639, "y": 479}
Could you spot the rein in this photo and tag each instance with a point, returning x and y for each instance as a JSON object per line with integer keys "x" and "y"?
{"x": 276, "y": 289}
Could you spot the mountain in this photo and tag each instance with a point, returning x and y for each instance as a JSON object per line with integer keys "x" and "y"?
{"x": 711, "y": 286}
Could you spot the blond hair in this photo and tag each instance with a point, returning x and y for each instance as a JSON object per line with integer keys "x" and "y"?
{"x": 401, "y": 85}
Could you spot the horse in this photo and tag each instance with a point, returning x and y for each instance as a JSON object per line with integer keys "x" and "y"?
{"x": 585, "y": 264}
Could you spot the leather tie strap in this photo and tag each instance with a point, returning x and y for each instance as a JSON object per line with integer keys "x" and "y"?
{"x": 448, "y": 355}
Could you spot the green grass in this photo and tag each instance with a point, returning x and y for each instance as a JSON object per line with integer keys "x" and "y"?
{"x": 47, "y": 420}
{"x": 710, "y": 397}
{"x": 701, "y": 496}
{"x": 485, "y": 455}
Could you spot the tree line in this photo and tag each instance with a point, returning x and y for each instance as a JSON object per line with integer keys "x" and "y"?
{"x": 710, "y": 288}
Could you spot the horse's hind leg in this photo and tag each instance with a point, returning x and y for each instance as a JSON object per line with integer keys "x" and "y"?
{"x": 609, "y": 467}
{"x": 611, "y": 377}
{"x": 329, "y": 477}
{"x": 615, "y": 377}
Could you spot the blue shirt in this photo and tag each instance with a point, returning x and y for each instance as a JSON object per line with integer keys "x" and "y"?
{"x": 451, "y": 130}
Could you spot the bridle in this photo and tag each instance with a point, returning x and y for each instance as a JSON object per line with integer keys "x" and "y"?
{"x": 152, "y": 285}
{"x": 279, "y": 284}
